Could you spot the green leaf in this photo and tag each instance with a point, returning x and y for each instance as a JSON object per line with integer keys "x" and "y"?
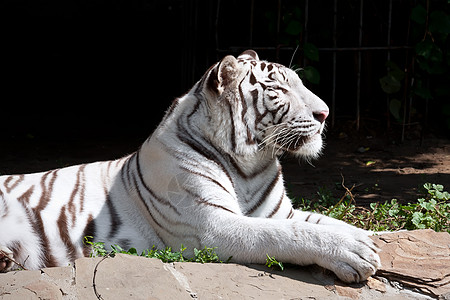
{"x": 394, "y": 108}
{"x": 311, "y": 74}
{"x": 419, "y": 14}
{"x": 429, "y": 50}
{"x": 395, "y": 71}
{"x": 417, "y": 219}
{"x": 390, "y": 84}
{"x": 311, "y": 51}
{"x": 438, "y": 187}
{"x": 439, "y": 22}
{"x": 270, "y": 261}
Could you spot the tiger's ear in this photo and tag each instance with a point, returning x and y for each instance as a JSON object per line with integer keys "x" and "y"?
{"x": 249, "y": 54}
{"x": 224, "y": 73}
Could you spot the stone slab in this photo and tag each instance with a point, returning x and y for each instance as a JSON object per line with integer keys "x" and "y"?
{"x": 126, "y": 277}
{"x": 417, "y": 259}
{"x": 231, "y": 281}
{"x": 27, "y": 285}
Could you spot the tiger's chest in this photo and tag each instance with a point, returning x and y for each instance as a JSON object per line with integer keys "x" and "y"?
{"x": 257, "y": 192}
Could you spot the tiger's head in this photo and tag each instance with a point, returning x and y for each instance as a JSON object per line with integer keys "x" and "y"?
{"x": 263, "y": 106}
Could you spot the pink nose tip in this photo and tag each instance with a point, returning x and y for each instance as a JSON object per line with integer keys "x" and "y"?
{"x": 321, "y": 115}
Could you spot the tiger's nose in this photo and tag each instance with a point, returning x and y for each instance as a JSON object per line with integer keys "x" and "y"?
{"x": 321, "y": 115}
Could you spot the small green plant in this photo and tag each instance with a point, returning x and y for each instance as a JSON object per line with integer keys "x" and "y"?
{"x": 271, "y": 261}
{"x": 205, "y": 255}
{"x": 431, "y": 211}
{"x": 98, "y": 248}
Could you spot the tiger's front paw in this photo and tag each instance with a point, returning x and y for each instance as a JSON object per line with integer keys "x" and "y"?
{"x": 351, "y": 256}
{"x": 6, "y": 259}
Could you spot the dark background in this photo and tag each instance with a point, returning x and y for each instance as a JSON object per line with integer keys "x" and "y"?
{"x": 74, "y": 70}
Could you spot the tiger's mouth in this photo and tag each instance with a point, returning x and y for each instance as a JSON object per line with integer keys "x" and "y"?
{"x": 295, "y": 143}
{"x": 300, "y": 141}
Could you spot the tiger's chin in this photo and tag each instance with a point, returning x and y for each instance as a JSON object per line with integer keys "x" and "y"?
{"x": 307, "y": 147}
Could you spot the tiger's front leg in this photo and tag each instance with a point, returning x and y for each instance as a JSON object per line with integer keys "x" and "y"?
{"x": 320, "y": 219}
{"x": 350, "y": 254}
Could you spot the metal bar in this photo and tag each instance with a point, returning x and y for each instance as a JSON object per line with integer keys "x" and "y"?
{"x": 252, "y": 8}
{"x": 388, "y": 56}
{"x": 241, "y": 48}
{"x": 217, "y": 28}
{"x": 384, "y": 48}
{"x": 341, "y": 49}
{"x": 358, "y": 74}
{"x": 333, "y": 88}
{"x": 277, "y": 49}
{"x": 305, "y": 29}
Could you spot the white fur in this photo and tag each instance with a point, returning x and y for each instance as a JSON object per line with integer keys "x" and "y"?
{"x": 191, "y": 184}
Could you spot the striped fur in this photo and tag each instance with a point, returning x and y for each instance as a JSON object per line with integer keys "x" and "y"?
{"x": 207, "y": 176}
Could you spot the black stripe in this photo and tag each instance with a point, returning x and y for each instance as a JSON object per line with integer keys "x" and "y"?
{"x": 147, "y": 188}
{"x": 204, "y": 202}
{"x": 207, "y": 178}
{"x": 285, "y": 112}
{"x": 139, "y": 193}
{"x": 291, "y": 214}
{"x": 190, "y": 141}
{"x": 196, "y": 107}
{"x": 164, "y": 217}
{"x": 265, "y": 194}
{"x": 263, "y": 66}
{"x": 79, "y": 185}
{"x": 46, "y": 190}
{"x": 9, "y": 188}
{"x": 4, "y": 206}
{"x": 89, "y": 230}
{"x": 277, "y": 207}
{"x": 255, "y": 172}
{"x": 49, "y": 260}
{"x": 232, "y": 131}
{"x": 155, "y": 209}
{"x": 125, "y": 171}
{"x": 200, "y": 200}
{"x": 252, "y": 80}
{"x": 64, "y": 234}
{"x": 307, "y": 218}
{"x": 250, "y": 139}
{"x": 116, "y": 222}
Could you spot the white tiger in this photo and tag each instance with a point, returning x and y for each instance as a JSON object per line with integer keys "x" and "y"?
{"x": 207, "y": 176}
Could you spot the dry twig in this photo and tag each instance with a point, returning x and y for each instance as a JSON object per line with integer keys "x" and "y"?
{"x": 5, "y": 256}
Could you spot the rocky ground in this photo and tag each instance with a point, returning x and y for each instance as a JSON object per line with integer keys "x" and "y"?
{"x": 416, "y": 265}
